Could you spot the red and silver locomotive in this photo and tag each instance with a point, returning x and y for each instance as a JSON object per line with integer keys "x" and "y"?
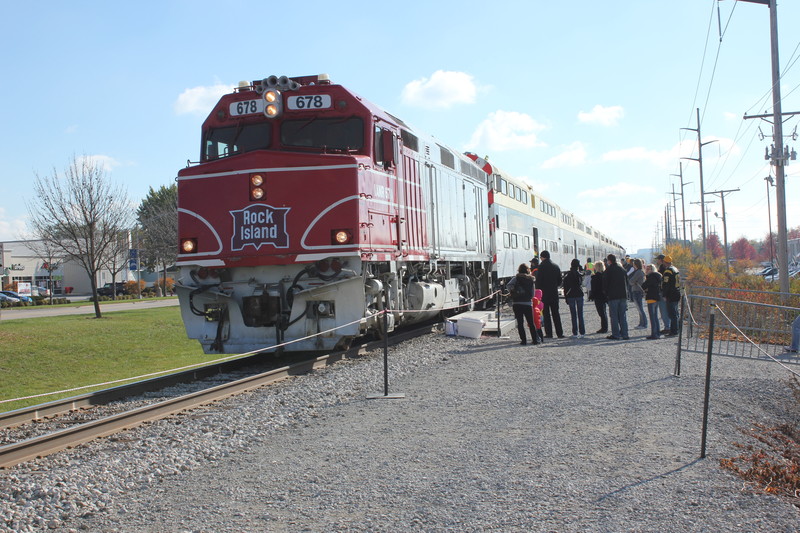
{"x": 312, "y": 210}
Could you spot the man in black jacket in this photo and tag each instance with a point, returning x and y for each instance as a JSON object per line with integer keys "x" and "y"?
{"x": 548, "y": 279}
{"x": 615, "y": 282}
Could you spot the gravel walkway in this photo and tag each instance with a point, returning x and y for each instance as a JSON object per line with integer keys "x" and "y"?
{"x": 576, "y": 435}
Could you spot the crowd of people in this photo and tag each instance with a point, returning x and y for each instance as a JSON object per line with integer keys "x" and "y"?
{"x": 610, "y": 284}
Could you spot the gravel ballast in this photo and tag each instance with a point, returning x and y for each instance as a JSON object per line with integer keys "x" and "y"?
{"x": 575, "y": 435}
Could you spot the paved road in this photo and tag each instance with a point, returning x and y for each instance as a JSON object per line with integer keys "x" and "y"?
{"x": 88, "y": 309}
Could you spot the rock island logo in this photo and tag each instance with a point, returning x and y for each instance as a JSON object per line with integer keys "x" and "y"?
{"x": 259, "y": 224}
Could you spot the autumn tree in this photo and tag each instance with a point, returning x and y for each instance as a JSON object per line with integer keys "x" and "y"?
{"x": 80, "y": 214}
{"x": 714, "y": 247}
{"x": 743, "y": 249}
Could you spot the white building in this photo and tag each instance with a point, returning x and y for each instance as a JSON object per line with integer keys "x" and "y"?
{"x": 21, "y": 262}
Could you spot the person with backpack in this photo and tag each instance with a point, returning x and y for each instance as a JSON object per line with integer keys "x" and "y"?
{"x": 521, "y": 289}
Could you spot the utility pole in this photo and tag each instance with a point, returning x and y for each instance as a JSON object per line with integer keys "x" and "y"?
{"x": 770, "y": 181}
{"x": 691, "y": 233}
{"x": 683, "y": 197}
{"x": 780, "y": 155}
{"x": 724, "y": 225}
{"x": 703, "y": 219}
{"x": 675, "y": 211}
{"x": 700, "y": 162}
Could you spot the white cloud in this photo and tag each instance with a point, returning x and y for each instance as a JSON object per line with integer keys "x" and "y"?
{"x": 574, "y": 155}
{"x": 200, "y": 100}
{"x": 105, "y": 162}
{"x": 665, "y": 159}
{"x": 506, "y": 130}
{"x": 605, "y": 116}
{"x": 442, "y": 90}
{"x": 11, "y": 229}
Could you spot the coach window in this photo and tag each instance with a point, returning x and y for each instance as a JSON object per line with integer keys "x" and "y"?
{"x": 506, "y": 240}
{"x": 503, "y": 186}
{"x": 526, "y": 242}
{"x": 514, "y": 241}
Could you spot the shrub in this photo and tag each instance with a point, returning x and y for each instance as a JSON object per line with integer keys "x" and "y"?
{"x": 131, "y": 287}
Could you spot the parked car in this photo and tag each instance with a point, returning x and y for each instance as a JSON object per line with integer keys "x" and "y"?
{"x": 17, "y": 296}
{"x": 8, "y": 299}
{"x": 108, "y": 289}
{"x": 768, "y": 271}
{"x": 40, "y": 291}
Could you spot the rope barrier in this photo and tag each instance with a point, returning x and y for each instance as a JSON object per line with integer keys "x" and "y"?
{"x": 689, "y": 308}
{"x": 759, "y": 348}
{"x": 227, "y": 358}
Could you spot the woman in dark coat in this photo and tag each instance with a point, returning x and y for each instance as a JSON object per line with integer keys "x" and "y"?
{"x": 573, "y": 292}
{"x": 597, "y": 295}
{"x": 521, "y": 289}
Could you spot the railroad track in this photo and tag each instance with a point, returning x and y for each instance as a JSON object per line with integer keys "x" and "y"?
{"x": 16, "y": 453}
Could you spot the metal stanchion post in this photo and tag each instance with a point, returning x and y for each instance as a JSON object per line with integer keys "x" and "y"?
{"x": 497, "y": 311}
{"x": 677, "y": 371}
{"x": 708, "y": 381}
{"x": 386, "y": 364}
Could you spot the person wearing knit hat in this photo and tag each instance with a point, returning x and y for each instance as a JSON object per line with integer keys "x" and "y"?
{"x": 671, "y": 290}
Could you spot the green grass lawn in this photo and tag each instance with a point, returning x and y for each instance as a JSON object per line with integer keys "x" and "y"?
{"x": 41, "y": 355}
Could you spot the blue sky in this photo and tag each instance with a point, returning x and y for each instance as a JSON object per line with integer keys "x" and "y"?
{"x": 584, "y": 99}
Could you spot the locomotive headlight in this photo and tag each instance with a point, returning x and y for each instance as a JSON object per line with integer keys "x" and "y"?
{"x": 341, "y": 236}
{"x": 189, "y": 246}
{"x": 274, "y": 105}
{"x": 256, "y": 187}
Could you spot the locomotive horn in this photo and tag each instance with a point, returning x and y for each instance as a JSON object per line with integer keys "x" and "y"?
{"x": 283, "y": 81}
{"x": 272, "y": 81}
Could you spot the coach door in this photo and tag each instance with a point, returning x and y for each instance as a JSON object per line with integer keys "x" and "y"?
{"x": 473, "y": 218}
{"x": 433, "y": 213}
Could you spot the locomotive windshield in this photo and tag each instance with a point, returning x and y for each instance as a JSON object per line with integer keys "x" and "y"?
{"x": 232, "y": 140}
{"x": 324, "y": 133}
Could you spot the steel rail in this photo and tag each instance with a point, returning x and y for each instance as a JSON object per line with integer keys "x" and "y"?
{"x": 14, "y": 454}
{"x": 54, "y": 408}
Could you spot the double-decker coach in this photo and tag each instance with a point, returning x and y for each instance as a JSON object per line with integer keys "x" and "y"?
{"x": 524, "y": 222}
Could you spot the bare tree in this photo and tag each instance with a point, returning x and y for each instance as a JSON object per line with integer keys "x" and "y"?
{"x": 80, "y": 214}
{"x": 116, "y": 259}
{"x": 52, "y": 260}
{"x": 158, "y": 219}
